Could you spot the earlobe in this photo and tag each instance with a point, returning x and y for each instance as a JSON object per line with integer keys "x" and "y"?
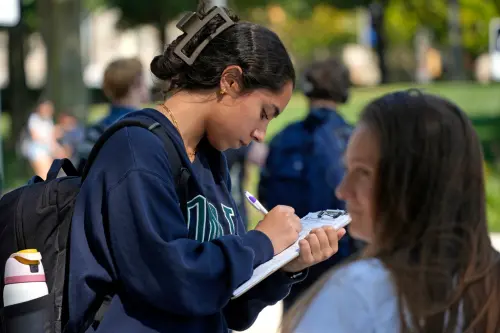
{"x": 220, "y": 94}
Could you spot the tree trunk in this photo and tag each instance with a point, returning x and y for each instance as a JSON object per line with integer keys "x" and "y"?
{"x": 18, "y": 90}
{"x": 455, "y": 40}
{"x": 162, "y": 28}
{"x": 377, "y": 11}
{"x": 61, "y": 32}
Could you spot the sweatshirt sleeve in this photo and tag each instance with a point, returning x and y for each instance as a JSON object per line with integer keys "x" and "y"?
{"x": 242, "y": 312}
{"x": 157, "y": 263}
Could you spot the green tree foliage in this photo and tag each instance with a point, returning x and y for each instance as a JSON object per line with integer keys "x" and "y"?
{"x": 404, "y": 18}
{"x": 157, "y": 12}
{"x": 325, "y": 29}
{"x": 301, "y": 8}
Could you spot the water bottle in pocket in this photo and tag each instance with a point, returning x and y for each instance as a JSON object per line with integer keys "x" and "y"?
{"x": 26, "y": 297}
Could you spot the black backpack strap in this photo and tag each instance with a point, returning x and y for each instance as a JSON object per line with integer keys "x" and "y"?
{"x": 63, "y": 164}
{"x": 180, "y": 174}
{"x": 105, "y": 136}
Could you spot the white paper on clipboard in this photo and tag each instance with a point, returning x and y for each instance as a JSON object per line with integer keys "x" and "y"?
{"x": 335, "y": 218}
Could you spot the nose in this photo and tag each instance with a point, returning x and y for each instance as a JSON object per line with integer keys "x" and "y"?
{"x": 340, "y": 191}
{"x": 258, "y": 135}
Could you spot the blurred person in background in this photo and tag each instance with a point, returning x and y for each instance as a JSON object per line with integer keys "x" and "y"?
{"x": 304, "y": 164}
{"x": 125, "y": 86}
{"x": 70, "y": 134}
{"x": 415, "y": 190}
{"x": 238, "y": 161}
{"x": 38, "y": 140}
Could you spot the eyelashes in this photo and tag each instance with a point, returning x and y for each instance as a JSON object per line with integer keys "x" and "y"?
{"x": 263, "y": 114}
{"x": 363, "y": 172}
{"x": 358, "y": 172}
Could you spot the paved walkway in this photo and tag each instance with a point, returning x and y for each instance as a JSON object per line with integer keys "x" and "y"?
{"x": 269, "y": 319}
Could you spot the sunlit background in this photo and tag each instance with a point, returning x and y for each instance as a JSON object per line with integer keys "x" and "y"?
{"x": 450, "y": 47}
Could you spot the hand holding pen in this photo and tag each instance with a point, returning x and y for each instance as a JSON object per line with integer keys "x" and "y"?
{"x": 281, "y": 224}
{"x": 282, "y": 227}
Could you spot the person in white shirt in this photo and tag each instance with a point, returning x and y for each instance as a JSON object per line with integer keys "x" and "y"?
{"x": 39, "y": 144}
{"x": 414, "y": 188}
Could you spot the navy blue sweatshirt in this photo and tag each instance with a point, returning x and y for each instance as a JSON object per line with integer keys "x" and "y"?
{"x": 129, "y": 238}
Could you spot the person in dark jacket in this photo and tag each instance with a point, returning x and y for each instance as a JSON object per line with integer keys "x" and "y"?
{"x": 125, "y": 87}
{"x": 129, "y": 238}
{"x": 238, "y": 161}
{"x": 312, "y": 150}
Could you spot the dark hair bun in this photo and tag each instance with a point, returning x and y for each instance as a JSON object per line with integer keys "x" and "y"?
{"x": 158, "y": 68}
{"x": 168, "y": 66}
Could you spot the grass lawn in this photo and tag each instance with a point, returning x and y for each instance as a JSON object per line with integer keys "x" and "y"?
{"x": 477, "y": 100}
{"x": 493, "y": 200}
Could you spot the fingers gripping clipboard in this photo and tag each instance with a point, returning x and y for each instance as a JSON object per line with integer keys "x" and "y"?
{"x": 335, "y": 218}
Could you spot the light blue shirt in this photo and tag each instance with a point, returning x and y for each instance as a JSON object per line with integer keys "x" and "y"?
{"x": 358, "y": 298}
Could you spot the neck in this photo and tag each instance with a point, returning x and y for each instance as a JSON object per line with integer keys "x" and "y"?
{"x": 190, "y": 111}
{"x": 128, "y": 102}
{"x": 323, "y": 103}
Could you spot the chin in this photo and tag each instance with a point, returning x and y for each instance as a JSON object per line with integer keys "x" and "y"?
{"x": 359, "y": 235}
{"x": 356, "y": 231}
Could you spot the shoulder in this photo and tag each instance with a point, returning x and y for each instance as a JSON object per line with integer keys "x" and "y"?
{"x": 34, "y": 118}
{"x": 288, "y": 136}
{"x": 361, "y": 271}
{"x": 130, "y": 148}
{"x": 146, "y": 148}
{"x": 368, "y": 281}
{"x": 356, "y": 298}
{"x": 344, "y": 130}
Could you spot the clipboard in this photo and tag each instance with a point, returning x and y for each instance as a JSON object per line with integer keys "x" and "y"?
{"x": 335, "y": 218}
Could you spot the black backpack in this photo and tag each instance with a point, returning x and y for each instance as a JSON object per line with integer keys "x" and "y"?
{"x": 38, "y": 216}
